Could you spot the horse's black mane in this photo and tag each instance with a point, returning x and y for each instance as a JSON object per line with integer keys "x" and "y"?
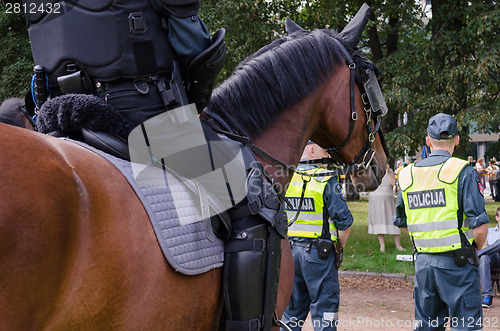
{"x": 275, "y": 78}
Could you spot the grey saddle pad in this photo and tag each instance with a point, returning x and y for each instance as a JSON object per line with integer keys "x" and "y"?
{"x": 182, "y": 234}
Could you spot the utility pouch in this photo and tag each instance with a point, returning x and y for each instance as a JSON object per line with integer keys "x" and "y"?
{"x": 324, "y": 247}
{"x": 468, "y": 252}
{"x": 138, "y": 100}
{"x": 461, "y": 255}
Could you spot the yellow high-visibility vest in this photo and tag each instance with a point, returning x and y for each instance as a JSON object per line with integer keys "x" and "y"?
{"x": 310, "y": 221}
{"x": 431, "y": 203}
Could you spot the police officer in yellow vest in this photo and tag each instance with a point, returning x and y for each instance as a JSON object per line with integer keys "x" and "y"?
{"x": 442, "y": 208}
{"x": 316, "y": 284}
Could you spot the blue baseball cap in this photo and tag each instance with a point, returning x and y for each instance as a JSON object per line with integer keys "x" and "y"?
{"x": 442, "y": 127}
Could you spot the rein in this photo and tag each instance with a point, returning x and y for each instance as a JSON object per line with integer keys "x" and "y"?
{"x": 366, "y": 154}
{"x": 246, "y": 141}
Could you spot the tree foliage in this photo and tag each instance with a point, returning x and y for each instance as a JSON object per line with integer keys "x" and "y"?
{"x": 448, "y": 62}
{"x": 15, "y": 55}
{"x": 444, "y": 61}
{"x": 450, "y": 65}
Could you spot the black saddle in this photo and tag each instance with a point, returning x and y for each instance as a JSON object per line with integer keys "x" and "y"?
{"x": 114, "y": 145}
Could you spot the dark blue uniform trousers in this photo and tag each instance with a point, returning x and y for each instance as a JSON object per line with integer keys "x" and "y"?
{"x": 445, "y": 292}
{"x": 315, "y": 289}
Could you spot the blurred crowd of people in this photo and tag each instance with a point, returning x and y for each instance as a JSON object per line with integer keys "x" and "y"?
{"x": 488, "y": 173}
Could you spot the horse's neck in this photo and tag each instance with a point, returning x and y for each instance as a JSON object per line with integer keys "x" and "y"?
{"x": 285, "y": 140}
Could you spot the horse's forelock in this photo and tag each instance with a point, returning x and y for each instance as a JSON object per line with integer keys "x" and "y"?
{"x": 275, "y": 78}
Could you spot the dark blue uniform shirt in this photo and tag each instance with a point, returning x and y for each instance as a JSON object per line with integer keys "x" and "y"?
{"x": 334, "y": 201}
{"x": 468, "y": 193}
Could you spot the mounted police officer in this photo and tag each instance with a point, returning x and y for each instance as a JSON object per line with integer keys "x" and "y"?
{"x": 138, "y": 56}
{"x": 442, "y": 207}
{"x": 323, "y": 219}
{"x": 131, "y": 54}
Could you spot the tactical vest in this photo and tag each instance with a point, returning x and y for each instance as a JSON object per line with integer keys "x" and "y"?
{"x": 107, "y": 39}
{"x": 310, "y": 221}
{"x": 431, "y": 204}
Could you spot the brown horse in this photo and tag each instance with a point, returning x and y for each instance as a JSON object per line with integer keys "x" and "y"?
{"x": 77, "y": 250}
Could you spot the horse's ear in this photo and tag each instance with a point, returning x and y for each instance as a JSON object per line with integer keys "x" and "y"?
{"x": 352, "y": 32}
{"x": 291, "y": 26}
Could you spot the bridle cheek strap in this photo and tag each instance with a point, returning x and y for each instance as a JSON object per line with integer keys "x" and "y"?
{"x": 367, "y": 152}
{"x": 352, "y": 66}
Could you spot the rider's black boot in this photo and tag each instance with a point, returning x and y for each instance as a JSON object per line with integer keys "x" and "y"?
{"x": 251, "y": 272}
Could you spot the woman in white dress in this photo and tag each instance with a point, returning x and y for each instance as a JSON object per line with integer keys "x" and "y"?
{"x": 381, "y": 206}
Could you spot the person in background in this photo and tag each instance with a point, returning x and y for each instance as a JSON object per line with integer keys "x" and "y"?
{"x": 399, "y": 166}
{"x": 471, "y": 160}
{"x": 497, "y": 180}
{"x": 489, "y": 256}
{"x": 381, "y": 207}
{"x": 442, "y": 208}
{"x": 492, "y": 168}
{"x": 425, "y": 152}
{"x": 481, "y": 170}
{"x": 323, "y": 221}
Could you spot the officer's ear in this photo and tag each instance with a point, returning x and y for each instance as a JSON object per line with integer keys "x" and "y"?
{"x": 315, "y": 151}
{"x": 428, "y": 141}
{"x": 311, "y": 150}
{"x": 457, "y": 140}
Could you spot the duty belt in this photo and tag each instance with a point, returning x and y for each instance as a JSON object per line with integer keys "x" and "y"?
{"x": 307, "y": 244}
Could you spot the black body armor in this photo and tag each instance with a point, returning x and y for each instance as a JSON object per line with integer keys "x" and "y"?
{"x": 115, "y": 49}
{"x": 107, "y": 39}
{"x": 121, "y": 51}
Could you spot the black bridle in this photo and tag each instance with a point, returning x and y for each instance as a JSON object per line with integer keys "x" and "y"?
{"x": 335, "y": 163}
{"x": 364, "y": 158}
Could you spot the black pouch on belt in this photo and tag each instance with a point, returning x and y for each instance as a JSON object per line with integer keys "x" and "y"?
{"x": 324, "y": 247}
{"x": 324, "y": 243}
{"x": 461, "y": 255}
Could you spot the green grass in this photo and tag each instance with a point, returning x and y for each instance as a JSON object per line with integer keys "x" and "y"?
{"x": 362, "y": 249}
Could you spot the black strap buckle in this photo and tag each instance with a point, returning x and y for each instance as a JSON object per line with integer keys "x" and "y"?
{"x": 137, "y": 23}
{"x": 260, "y": 245}
{"x": 255, "y": 324}
{"x": 255, "y": 206}
{"x": 250, "y": 325}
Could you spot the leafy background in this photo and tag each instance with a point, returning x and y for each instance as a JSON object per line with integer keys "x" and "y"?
{"x": 444, "y": 61}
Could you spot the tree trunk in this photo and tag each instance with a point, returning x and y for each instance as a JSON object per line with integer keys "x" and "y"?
{"x": 374, "y": 41}
{"x": 393, "y": 36}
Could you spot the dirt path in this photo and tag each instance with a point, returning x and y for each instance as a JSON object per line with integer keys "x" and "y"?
{"x": 375, "y": 303}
